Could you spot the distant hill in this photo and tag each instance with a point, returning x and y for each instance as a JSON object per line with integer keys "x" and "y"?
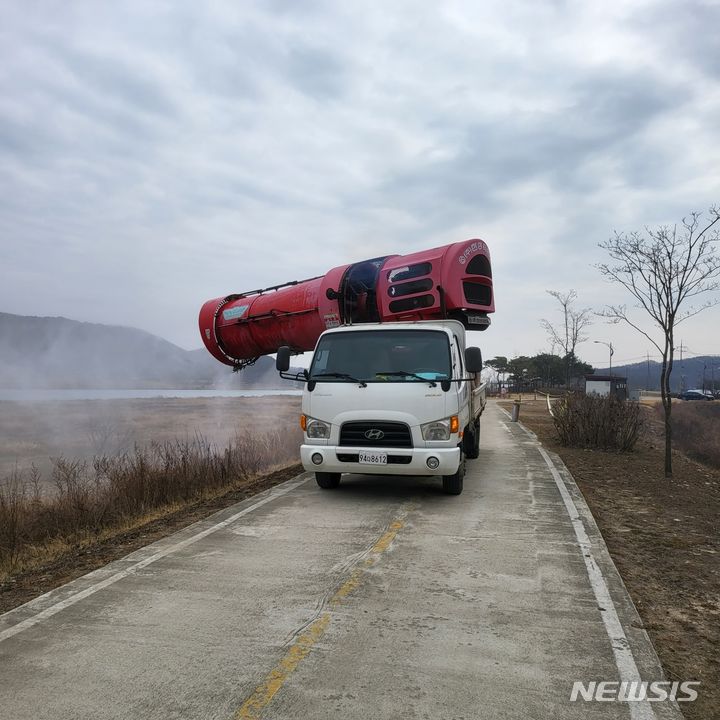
{"x": 54, "y": 352}
{"x": 686, "y": 374}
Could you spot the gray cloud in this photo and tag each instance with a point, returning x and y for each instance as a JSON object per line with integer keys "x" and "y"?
{"x": 603, "y": 115}
{"x": 316, "y": 72}
{"x": 117, "y": 81}
{"x": 687, "y": 36}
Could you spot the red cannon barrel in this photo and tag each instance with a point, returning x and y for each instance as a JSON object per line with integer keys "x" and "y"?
{"x": 453, "y": 281}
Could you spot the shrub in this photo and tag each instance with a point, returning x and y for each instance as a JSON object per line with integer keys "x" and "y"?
{"x": 115, "y": 489}
{"x": 590, "y": 421}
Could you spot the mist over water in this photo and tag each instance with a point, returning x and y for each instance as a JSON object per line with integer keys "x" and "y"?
{"x": 77, "y": 390}
{"x": 34, "y": 433}
{"x": 57, "y": 353}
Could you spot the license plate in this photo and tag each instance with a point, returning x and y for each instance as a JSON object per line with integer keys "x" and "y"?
{"x": 372, "y": 458}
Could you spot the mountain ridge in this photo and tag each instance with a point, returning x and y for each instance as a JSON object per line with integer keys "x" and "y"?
{"x": 687, "y": 373}
{"x": 58, "y": 352}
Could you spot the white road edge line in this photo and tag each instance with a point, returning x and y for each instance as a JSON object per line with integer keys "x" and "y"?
{"x": 624, "y": 660}
{"x": 77, "y": 597}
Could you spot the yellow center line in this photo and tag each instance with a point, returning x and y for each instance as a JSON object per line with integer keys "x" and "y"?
{"x": 384, "y": 542}
{"x": 263, "y": 694}
{"x": 348, "y": 586}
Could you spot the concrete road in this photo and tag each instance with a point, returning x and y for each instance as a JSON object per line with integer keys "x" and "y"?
{"x": 381, "y": 599}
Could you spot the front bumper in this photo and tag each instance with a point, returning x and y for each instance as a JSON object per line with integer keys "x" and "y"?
{"x": 401, "y": 461}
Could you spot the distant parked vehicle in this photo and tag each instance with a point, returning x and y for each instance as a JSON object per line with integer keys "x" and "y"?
{"x": 696, "y": 395}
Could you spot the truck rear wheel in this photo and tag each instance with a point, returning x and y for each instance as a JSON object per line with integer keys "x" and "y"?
{"x": 453, "y": 484}
{"x": 327, "y": 480}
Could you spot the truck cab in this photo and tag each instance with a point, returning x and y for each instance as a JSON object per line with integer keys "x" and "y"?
{"x": 391, "y": 399}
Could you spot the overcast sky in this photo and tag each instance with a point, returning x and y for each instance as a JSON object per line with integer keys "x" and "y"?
{"x": 157, "y": 154}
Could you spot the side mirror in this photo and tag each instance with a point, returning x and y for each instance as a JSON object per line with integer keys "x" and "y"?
{"x": 282, "y": 361}
{"x": 473, "y": 359}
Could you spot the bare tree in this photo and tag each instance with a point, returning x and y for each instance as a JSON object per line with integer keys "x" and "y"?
{"x": 570, "y": 333}
{"x": 663, "y": 269}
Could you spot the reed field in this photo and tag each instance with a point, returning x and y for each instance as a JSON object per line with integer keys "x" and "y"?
{"x": 81, "y": 470}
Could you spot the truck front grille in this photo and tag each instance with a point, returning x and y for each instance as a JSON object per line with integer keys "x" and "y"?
{"x": 368, "y": 433}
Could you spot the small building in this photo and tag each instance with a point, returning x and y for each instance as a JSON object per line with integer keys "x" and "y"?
{"x": 605, "y": 385}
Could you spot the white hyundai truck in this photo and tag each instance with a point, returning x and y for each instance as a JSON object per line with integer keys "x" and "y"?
{"x": 401, "y": 398}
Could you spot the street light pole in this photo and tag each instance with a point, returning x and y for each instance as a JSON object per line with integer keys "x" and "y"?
{"x": 612, "y": 351}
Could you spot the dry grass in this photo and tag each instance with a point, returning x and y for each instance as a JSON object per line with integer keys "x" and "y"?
{"x": 111, "y": 491}
{"x": 696, "y": 430}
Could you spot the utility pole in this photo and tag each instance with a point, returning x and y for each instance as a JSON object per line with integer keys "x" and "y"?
{"x": 682, "y": 367}
{"x": 647, "y": 383}
{"x": 713, "y": 368}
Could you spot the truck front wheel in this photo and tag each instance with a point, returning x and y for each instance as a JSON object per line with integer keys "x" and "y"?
{"x": 327, "y": 480}
{"x": 453, "y": 484}
{"x": 471, "y": 440}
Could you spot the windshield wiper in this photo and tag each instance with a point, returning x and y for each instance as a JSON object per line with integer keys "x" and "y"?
{"x": 405, "y": 373}
{"x": 342, "y": 376}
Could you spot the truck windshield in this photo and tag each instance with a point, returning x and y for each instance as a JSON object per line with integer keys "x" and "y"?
{"x": 382, "y": 356}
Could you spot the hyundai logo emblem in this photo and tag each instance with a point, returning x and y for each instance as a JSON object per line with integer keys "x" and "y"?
{"x": 374, "y": 434}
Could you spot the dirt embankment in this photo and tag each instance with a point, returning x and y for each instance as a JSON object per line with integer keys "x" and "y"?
{"x": 664, "y": 539}
{"x": 84, "y": 558}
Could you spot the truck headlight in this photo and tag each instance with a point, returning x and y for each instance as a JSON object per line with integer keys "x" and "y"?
{"x": 317, "y": 428}
{"x": 436, "y": 430}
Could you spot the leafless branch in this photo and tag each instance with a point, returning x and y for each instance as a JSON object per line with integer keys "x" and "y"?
{"x": 570, "y": 333}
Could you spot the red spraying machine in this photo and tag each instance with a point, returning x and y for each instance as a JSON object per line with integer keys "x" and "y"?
{"x": 453, "y": 281}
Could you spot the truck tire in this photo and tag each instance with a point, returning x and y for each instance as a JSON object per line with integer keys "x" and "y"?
{"x": 327, "y": 480}
{"x": 453, "y": 484}
{"x": 471, "y": 441}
